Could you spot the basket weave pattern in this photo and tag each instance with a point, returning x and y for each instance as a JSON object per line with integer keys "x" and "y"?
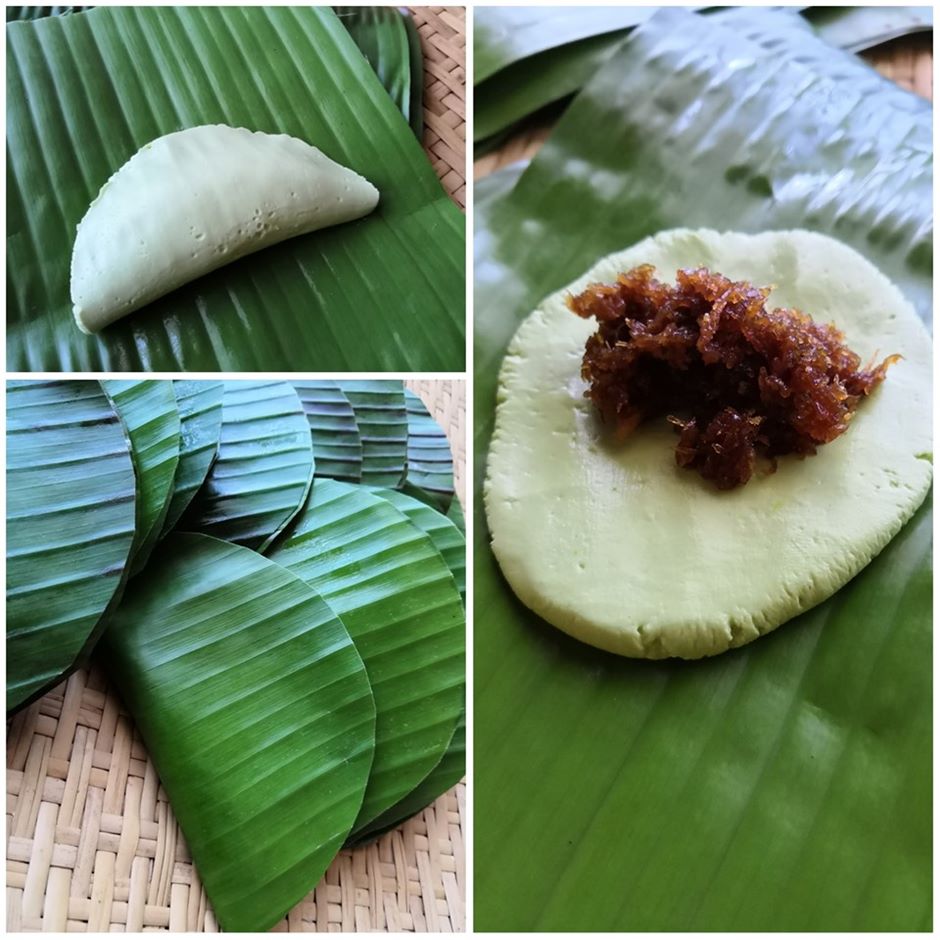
{"x": 443, "y": 33}
{"x": 93, "y": 844}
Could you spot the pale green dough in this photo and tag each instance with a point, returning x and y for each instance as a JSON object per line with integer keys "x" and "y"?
{"x": 190, "y": 202}
{"x": 620, "y": 548}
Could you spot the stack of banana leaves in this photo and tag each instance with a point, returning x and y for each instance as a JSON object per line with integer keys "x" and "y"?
{"x": 785, "y": 785}
{"x": 88, "y": 88}
{"x": 527, "y": 59}
{"x": 272, "y": 576}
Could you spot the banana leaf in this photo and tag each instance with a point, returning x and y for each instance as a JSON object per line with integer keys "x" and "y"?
{"x": 256, "y": 710}
{"x": 448, "y": 539}
{"x": 858, "y": 28}
{"x": 416, "y": 105}
{"x": 448, "y": 773}
{"x": 337, "y": 447}
{"x": 381, "y": 34}
{"x": 35, "y": 13}
{"x": 785, "y": 785}
{"x": 455, "y": 514}
{"x": 430, "y": 464}
{"x": 71, "y": 495}
{"x": 264, "y": 469}
{"x": 86, "y": 91}
{"x": 200, "y": 409}
{"x": 504, "y": 35}
{"x": 379, "y": 406}
{"x": 398, "y": 600}
{"x": 152, "y": 422}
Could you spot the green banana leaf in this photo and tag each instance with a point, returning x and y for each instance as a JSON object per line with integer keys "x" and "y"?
{"x": 379, "y": 406}
{"x": 785, "y": 785}
{"x": 71, "y": 497}
{"x": 416, "y": 105}
{"x": 504, "y": 35}
{"x": 86, "y": 91}
{"x": 527, "y": 86}
{"x": 35, "y": 13}
{"x": 381, "y": 34}
{"x": 337, "y": 447}
{"x": 257, "y": 712}
{"x": 397, "y": 598}
{"x": 430, "y": 465}
{"x": 264, "y": 469}
{"x": 152, "y": 422}
{"x": 861, "y": 27}
{"x": 200, "y": 409}
{"x": 448, "y": 773}
{"x": 448, "y": 539}
{"x": 455, "y": 514}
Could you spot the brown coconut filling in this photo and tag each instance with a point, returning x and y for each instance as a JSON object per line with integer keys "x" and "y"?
{"x": 738, "y": 381}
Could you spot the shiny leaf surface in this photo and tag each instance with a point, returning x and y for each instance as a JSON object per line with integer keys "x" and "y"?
{"x": 785, "y": 785}
{"x": 152, "y": 422}
{"x": 71, "y": 494}
{"x": 860, "y": 27}
{"x": 337, "y": 447}
{"x": 264, "y": 470}
{"x": 379, "y": 406}
{"x": 87, "y": 90}
{"x": 398, "y": 600}
{"x": 200, "y": 408}
{"x": 256, "y": 710}
{"x": 430, "y": 464}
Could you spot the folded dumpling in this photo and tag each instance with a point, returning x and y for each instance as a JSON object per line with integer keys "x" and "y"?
{"x": 192, "y": 201}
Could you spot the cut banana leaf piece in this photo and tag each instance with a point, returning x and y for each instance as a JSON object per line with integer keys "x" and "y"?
{"x": 448, "y": 773}
{"x": 416, "y": 106}
{"x": 337, "y": 447}
{"x": 152, "y": 422}
{"x": 860, "y": 27}
{"x": 381, "y": 293}
{"x": 264, "y": 469}
{"x": 382, "y": 420}
{"x": 71, "y": 495}
{"x": 430, "y": 464}
{"x": 448, "y": 539}
{"x": 257, "y": 712}
{"x": 397, "y": 598}
{"x": 787, "y": 785}
{"x": 455, "y": 514}
{"x": 200, "y": 408}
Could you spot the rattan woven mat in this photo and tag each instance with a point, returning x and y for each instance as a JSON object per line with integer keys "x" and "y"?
{"x": 92, "y": 844}
{"x": 443, "y": 43}
{"x": 907, "y": 61}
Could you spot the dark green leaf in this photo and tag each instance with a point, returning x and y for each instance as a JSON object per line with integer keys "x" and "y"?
{"x": 85, "y": 92}
{"x": 337, "y": 447}
{"x": 430, "y": 465}
{"x": 256, "y": 710}
{"x": 785, "y": 785}
{"x": 148, "y": 410}
{"x": 200, "y": 408}
{"x": 264, "y": 470}
{"x": 71, "y": 496}
{"x": 398, "y": 600}
{"x": 379, "y": 406}
{"x": 455, "y": 514}
{"x": 416, "y": 105}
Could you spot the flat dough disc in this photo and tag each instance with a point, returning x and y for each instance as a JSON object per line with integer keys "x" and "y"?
{"x": 620, "y": 548}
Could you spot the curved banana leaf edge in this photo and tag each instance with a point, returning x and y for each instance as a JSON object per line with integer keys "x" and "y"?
{"x": 379, "y": 407}
{"x": 430, "y": 464}
{"x": 785, "y": 785}
{"x": 71, "y": 523}
{"x": 337, "y": 446}
{"x": 256, "y": 709}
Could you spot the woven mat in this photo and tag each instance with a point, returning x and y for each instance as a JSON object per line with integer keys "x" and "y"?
{"x": 907, "y": 61}
{"x": 443, "y": 43}
{"x": 93, "y": 845}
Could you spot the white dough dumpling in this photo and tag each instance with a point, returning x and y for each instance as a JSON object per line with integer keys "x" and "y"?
{"x": 195, "y": 200}
{"x": 616, "y": 545}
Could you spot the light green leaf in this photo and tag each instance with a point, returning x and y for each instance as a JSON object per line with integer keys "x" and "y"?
{"x": 337, "y": 447}
{"x": 448, "y": 539}
{"x": 781, "y": 786}
{"x": 264, "y": 470}
{"x": 379, "y": 406}
{"x": 430, "y": 465}
{"x": 200, "y": 409}
{"x": 256, "y": 710}
{"x": 860, "y": 27}
{"x": 71, "y": 496}
{"x": 86, "y": 91}
{"x": 398, "y": 600}
{"x": 148, "y": 410}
